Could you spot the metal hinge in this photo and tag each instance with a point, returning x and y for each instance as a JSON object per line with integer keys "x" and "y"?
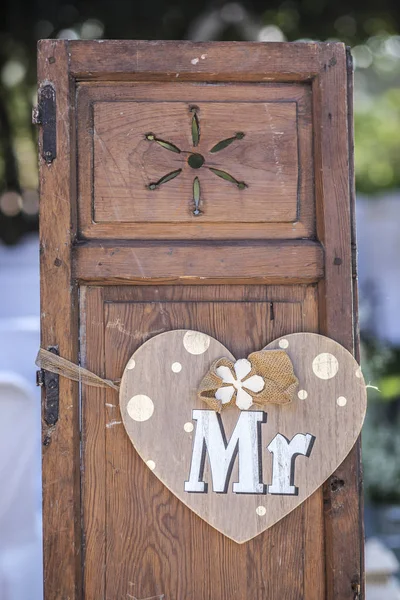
{"x": 50, "y": 382}
{"x": 45, "y": 115}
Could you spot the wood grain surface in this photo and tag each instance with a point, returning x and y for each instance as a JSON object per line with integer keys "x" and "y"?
{"x": 114, "y": 139}
{"x": 59, "y": 327}
{"x": 271, "y": 262}
{"x": 125, "y": 162}
{"x": 224, "y": 61}
{"x": 159, "y": 391}
{"x": 126, "y": 517}
{"x": 124, "y": 484}
{"x": 331, "y": 114}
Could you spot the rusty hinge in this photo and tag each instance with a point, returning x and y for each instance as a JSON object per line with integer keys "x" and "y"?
{"x": 45, "y": 115}
{"x": 50, "y": 382}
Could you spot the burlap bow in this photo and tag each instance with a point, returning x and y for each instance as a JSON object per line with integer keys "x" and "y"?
{"x": 265, "y": 377}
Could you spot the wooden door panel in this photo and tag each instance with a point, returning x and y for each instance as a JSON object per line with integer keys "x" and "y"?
{"x": 147, "y": 535}
{"x": 121, "y": 262}
{"x": 117, "y": 163}
{"x": 126, "y": 163}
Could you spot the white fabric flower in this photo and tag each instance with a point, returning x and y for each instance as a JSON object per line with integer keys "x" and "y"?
{"x": 255, "y": 384}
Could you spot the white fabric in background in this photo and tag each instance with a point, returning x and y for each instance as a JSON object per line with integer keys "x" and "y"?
{"x": 20, "y": 556}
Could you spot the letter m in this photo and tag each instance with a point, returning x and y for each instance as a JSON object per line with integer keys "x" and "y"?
{"x": 245, "y": 443}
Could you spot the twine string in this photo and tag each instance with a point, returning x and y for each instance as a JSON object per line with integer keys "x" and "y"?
{"x": 61, "y": 366}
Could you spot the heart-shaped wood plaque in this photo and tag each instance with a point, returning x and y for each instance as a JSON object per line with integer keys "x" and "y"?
{"x": 242, "y": 470}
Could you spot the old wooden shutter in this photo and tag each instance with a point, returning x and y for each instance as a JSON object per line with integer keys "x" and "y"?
{"x": 121, "y": 262}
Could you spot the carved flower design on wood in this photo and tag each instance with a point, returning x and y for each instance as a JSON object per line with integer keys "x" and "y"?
{"x": 196, "y": 160}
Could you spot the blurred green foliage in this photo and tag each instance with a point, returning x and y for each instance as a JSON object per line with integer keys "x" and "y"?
{"x": 381, "y": 449}
{"x": 389, "y": 387}
{"x": 381, "y": 431}
{"x": 377, "y": 142}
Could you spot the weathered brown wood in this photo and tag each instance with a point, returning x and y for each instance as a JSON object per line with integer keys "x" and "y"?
{"x": 122, "y": 171}
{"x": 169, "y": 61}
{"x": 342, "y": 503}
{"x": 273, "y": 263}
{"x": 95, "y": 409}
{"x": 126, "y": 163}
{"x": 303, "y": 294}
{"x": 311, "y": 520}
{"x": 59, "y": 319}
{"x": 219, "y": 565}
{"x": 139, "y": 539}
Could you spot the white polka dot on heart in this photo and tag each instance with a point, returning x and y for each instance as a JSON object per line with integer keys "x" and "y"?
{"x": 140, "y": 408}
{"x": 261, "y": 511}
{"x": 176, "y": 367}
{"x": 283, "y": 344}
{"x": 195, "y": 342}
{"x": 151, "y": 464}
{"x": 188, "y": 427}
{"x": 131, "y": 364}
{"x": 341, "y": 401}
{"x": 325, "y": 365}
{"x": 302, "y": 394}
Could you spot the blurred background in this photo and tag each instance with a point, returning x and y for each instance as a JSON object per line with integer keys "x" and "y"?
{"x": 372, "y": 30}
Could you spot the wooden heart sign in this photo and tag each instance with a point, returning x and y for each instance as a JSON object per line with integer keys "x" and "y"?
{"x": 241, "y": 470}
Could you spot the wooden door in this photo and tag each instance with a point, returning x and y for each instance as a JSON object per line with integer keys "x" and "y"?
{"x": 261, "y": 245}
